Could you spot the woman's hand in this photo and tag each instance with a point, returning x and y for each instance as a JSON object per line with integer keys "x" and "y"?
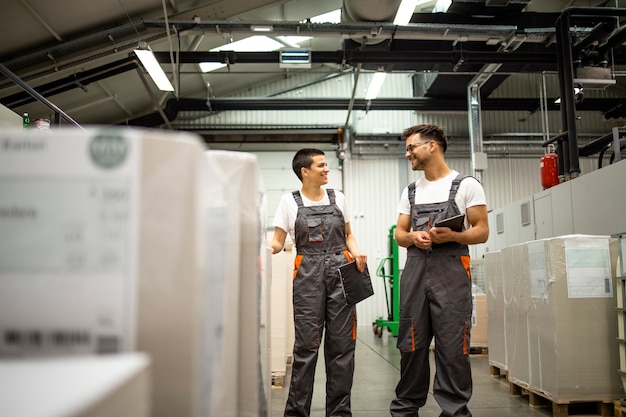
{"x": 361, "y": 261}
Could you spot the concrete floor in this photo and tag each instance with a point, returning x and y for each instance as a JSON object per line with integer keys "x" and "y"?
{"x": 377, "y": 372}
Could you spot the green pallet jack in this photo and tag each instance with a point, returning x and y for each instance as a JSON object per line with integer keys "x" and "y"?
{"x": 392, "y": 288}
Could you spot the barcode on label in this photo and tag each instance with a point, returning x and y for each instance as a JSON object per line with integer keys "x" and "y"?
{"x": 108, "y": 344}
{"x": 40, "y": 341}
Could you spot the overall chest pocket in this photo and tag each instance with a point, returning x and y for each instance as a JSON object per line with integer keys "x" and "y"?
{"x": 315, "y": 228}
{"x": 421, "y": 222}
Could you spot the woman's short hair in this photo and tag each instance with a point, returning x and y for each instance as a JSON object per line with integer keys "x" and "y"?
{"x": 303, "y": 159}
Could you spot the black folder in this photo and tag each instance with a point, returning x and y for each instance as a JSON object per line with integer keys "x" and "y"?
{"x": 356, "y": 285}
{"x": 455, "y": 223}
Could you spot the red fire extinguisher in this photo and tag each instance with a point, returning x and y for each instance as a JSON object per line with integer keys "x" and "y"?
{"x": 549, "y": 167}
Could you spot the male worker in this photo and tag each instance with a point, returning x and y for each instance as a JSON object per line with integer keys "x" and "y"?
{"x": 435, "y": 286}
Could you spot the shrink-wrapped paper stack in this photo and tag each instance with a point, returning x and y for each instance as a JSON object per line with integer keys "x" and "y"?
{"x": 496, "y": 330}
{"x": 559, "y": 321}
{"x": 117, "y": 240}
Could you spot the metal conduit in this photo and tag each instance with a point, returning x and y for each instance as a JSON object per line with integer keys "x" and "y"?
{"x": 566, "y": 77}
{"x": 58, "y": 112}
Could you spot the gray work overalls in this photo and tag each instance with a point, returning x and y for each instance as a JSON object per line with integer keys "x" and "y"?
{"x": 318, "y": 304}
{"x": 435, "y": 300}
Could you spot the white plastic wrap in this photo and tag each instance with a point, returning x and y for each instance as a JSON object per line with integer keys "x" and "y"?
{"x": 237, "y": 384}
{"x": 77, "y": 386}
{"x": 116, "y": 255}
{"x": 516, "y": 286}
{"x": 496, "y": 331}
{"x": 560, "y": 322}
{"x": 574, "y": 325}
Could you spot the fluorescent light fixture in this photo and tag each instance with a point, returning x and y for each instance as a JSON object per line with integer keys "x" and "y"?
{"x": 261, "y": 28}
{"x": 405, "y": 11}
{"x": 442, "y": 6}
{"x": 294, "y": 58}
{"x": 210, "y": 66}
{"x": 334, "y": 16}
{"x": 257, "y": 43}
{"x": 154, "y": 69}
{"x": 375, "y": 85}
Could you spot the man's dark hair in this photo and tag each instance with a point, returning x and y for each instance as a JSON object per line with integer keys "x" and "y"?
{"x": 303, "y": 159}
{"x": 428, "y": 131}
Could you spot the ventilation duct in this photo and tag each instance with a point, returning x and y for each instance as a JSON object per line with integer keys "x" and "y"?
{"x": 382, "y": 11}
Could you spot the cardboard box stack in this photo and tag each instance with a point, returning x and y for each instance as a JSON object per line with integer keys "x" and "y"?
{"x": 516, "y": 291}
{"x": 282, "y": 313}
{"x": 236, "y": 381}
{"x": 621, "y": 305}
{"x": 479, "y": 338}
{"x": 573, "y": 320}
{"x": 560, "y": 322}
{"x": 479, "y": 321}
{"x": 496, "y": 330}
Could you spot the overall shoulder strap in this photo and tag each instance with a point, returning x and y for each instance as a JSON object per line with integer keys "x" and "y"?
{"x": 412, "y": 193}
{"x": 331, "y": 195}
{"x": 298, "y": 198}
{"x": 455, "y": 186}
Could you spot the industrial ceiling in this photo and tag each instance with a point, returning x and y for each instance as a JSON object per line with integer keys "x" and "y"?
{"x": 78, "y": 54}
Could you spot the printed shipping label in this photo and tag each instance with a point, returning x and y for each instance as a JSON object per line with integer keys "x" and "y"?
{"x": 68, "y": 241}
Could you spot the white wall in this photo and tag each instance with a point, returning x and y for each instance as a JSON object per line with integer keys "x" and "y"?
{"x": 372, "y": 188}
{"x": 8, "y": 118}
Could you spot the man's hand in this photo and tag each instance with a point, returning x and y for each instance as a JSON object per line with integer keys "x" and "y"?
{"x": 442, "y": 234}
{"x": 421, "y": 239}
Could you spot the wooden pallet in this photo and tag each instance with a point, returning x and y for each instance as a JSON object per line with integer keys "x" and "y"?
{"x": 496, "y": 371}
{"x": 564, "y": 408}
{"x": 620, "y": 409}
{"x": 479, "y": 350}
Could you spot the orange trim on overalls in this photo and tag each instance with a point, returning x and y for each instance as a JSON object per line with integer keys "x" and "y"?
{"x": 296, "y": 264}
{"x": 465, "y": 260}
{"x": 348, "y": 256}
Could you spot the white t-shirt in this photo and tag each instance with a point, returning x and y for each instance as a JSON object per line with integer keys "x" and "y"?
{"x": 287, "y": 210}
{"x": 470, "y": 193}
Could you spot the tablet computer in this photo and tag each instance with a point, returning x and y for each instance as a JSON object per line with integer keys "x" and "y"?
{"x": 356, "y": 285}
{"x": 455, "y": 223}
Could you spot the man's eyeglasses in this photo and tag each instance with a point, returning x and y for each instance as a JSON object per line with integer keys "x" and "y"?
{"x": 410, "y": 146}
